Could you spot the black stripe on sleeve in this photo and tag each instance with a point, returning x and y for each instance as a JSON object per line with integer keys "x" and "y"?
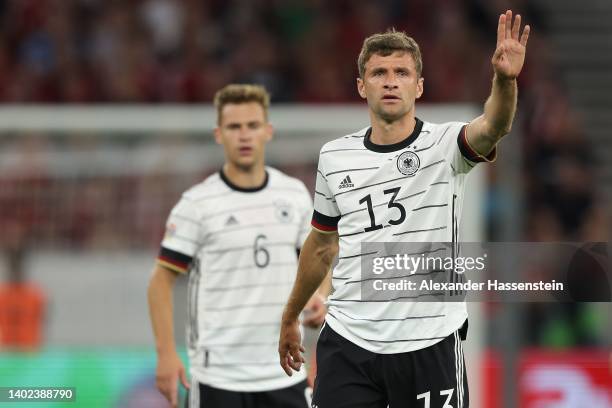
{"x": 175, "y": 258}
{"x": 329, "y": 223}
{"x": 469, "y": 153}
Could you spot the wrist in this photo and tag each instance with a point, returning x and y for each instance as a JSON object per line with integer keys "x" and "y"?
{"x": 165, "y": 351}
{"x": 503, "y": 80}
{"x": 289, "y": 318}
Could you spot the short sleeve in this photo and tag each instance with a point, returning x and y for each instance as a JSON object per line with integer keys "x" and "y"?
{"x": 459, "y": 153}
{"x": 305, "y": 213}
{"x": 326, "y": 214}
{"x": 182, "y": 238}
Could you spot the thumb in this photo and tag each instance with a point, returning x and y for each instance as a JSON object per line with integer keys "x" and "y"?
{"x": 498, "y": 53}
{"x": 183, "y": 377}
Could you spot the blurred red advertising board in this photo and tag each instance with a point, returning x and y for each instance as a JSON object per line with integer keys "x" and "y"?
{"x": 568, "y": 379}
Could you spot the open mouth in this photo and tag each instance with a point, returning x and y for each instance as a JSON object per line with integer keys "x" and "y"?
{"x": 245, "y": 150}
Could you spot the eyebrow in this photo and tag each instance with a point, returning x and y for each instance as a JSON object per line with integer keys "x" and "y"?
{"x": 249, "y": 123}
{"x": 396, "y": 69}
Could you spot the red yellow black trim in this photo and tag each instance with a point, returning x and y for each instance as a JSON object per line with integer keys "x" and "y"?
{"x": 469, "y": 152}
{"x": 170, "y": 266}
{"x": 174, "y": 260}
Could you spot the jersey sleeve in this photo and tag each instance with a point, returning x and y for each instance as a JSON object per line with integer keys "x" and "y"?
{"x": 305, "y": 213}
{"x": 182, "y": 238}
{"x": 326, "y": 214}
{"x": 459, "y": 153}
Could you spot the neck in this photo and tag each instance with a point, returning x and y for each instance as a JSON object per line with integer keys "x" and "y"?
{"x": 384, "y": 132}
{"x": 245, "y": 178}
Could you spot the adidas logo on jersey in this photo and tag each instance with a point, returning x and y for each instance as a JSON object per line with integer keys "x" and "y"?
{"x": 346, "y": 183}
{"x": 231, "y": 221}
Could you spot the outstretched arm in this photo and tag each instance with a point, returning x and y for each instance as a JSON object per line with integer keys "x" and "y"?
{"x": 316, "y": 258}
{"x": 485, "y": 131}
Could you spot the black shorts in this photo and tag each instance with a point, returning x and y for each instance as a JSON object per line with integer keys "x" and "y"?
{"x": 349, "y": 376}
{"x": 296, "y": 396}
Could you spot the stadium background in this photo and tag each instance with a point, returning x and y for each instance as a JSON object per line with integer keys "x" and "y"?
{"x": 106, "y": 120}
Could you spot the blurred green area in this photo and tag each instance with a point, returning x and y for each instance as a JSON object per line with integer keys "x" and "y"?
{"x": 103, "y": 377}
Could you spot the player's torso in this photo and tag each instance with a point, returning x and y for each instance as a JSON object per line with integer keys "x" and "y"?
{"x": 249, "y": 245}
{"x": 240, "y": 280}
{"x": 403, "y": 195}
{"x": 247, "y": 226}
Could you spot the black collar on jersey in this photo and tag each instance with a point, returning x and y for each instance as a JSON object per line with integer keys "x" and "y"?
{"x": 395, "y": 146}
{"x": 243, "y": 189}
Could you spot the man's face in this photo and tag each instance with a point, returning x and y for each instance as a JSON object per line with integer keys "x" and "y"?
{"x": 243, "y": 132}
{"x": 391, "y": 85}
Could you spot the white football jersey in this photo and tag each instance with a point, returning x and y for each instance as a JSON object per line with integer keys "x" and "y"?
{"x": 411, "y": 191}
{"x": 239, "y": 248}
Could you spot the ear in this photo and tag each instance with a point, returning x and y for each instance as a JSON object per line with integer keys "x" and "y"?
{"x": 420, "y": 83}
{"x": 361, "y": 88}
{"x": 218, "y": 136}
{"x": 269, "y": 132}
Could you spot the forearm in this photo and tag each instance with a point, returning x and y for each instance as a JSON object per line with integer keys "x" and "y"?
{"x": 325, "y": 287}
{"x": 161, "y": 309}
{"x": 500, "y": 107}
{"x": 485, "y": 132}
{"x": 316, "y": 258}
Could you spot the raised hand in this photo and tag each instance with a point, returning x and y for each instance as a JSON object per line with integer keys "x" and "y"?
{"x": 509, "y": 54}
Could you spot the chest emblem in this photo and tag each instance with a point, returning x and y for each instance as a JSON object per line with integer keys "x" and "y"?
{"x": 408, "y": 163}
{"x": 283, "y": 210}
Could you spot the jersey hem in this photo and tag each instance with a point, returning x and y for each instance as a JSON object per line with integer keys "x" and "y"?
{"x": 253, "y": 386}
{"x": 338, "y": 327}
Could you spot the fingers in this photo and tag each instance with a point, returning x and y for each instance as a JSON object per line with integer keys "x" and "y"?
{"x": 284, "y": 362}
{"x": 170, "y": 391}
{"x": 525, "y": 36}
{"x": 296, "y": 357}
{"x": 508, "y": 24}
{"x": 501, "y": 29}
{"x": 283, "y": 353}
{"x": 516, "y": 26}
{"x": 291, "y": 358}
{"x": 173, "y": 393}
{"x": 183, "y": 378}
{"x": 508, "y": 29}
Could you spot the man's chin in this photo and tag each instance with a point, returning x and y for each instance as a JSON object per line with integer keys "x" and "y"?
{"x": 390, "y": 117}
{"x": 245, "y": 165}
{"x": 391, "y": 113}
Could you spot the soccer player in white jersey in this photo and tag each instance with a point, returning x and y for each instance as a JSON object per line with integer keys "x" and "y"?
{"x": 399, "y": 180}
{"x": 235, "y": 236}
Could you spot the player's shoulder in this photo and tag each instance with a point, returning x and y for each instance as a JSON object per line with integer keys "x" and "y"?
{"x": 207, "y": 187}
{"x": 441, "y": 128}
{"x": 279, "y": 179}
{"x": 351, "y": 141}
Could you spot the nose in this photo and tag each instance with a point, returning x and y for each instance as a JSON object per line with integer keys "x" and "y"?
{"x": 390, "y": 82}
{"x": 244, "y": 134}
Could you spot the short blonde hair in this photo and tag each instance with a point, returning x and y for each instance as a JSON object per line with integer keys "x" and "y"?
{"x": 241, "y": 93}
{"x": 386, "y": 44}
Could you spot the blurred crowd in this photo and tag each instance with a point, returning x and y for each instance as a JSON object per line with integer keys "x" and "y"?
{"x": 84, "y": 51}
{"x": 303, "y": 51}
